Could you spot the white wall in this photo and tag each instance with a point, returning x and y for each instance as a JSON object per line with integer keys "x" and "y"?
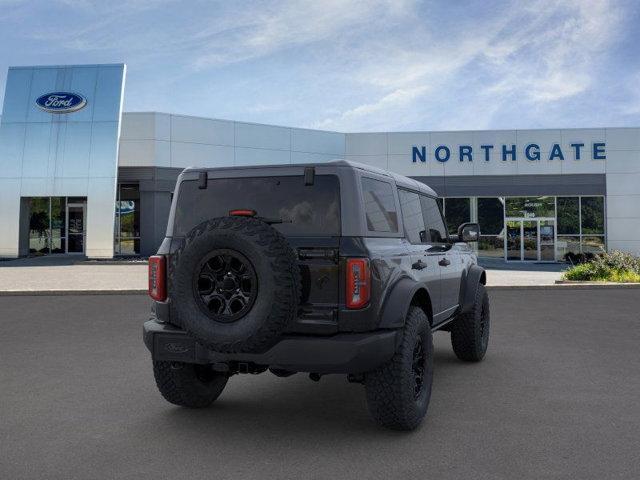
{"x": 164, "y": 140}
{"x": 623, "y": 189}
{"x": 393, "y": 151}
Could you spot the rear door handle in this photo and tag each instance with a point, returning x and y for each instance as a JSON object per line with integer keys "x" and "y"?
{"x": 419, "y": 265}
{"x": 444, "y": 262}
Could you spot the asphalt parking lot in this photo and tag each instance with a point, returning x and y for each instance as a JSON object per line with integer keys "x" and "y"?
{"x": 558, "y": 396}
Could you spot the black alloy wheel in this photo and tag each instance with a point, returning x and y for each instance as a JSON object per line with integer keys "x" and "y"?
{"x": 225, "y": 285}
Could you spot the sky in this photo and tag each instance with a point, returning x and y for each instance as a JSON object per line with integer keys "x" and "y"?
{"x": 348, "y": 65}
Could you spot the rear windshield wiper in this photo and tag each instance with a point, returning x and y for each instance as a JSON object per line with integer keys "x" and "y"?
{"x": 272, "y": 221}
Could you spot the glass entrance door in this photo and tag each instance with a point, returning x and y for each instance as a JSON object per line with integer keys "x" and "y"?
{"x": 547, "y": 240}
{"x": 75, "y": 227}
{"x": 530, "y": 240}
{"x": 513, "y": 239}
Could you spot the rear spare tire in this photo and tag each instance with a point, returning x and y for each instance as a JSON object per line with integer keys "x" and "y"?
{"x": 235, "y": 284}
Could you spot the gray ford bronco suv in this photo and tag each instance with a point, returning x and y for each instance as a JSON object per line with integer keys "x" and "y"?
{"x": 321, "y": 268}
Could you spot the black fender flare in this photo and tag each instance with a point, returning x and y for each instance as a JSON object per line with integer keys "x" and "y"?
{"x": 396, "y": 305}
{"x": 474, "y": 277}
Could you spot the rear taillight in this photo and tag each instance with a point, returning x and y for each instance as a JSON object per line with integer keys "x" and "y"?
{"x": 158, "y": 278}
{"x": 358, "y": 282}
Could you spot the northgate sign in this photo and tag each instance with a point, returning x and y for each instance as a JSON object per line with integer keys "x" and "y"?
{"x": 531, "y": 152}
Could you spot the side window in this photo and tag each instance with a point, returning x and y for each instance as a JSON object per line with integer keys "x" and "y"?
{"x": 436, "y": 231}
{"x": 379, "y": 205}
{"x": 412, "y": 216}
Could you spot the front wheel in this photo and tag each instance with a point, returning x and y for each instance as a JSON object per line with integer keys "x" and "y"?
{"x": 188, "y": 385}
{"x": 398, "y": 392}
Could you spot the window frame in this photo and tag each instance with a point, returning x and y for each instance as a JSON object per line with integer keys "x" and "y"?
{"x": 404, "y": 230}
{"x": 448, "y": 241}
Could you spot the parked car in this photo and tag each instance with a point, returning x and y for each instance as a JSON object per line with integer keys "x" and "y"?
{"x": 325, "y": 268}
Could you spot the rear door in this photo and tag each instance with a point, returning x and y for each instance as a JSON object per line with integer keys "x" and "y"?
{"x": 424, "y": 265}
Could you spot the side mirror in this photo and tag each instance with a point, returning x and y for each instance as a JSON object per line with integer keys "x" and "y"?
{"x": 469, "y": 232}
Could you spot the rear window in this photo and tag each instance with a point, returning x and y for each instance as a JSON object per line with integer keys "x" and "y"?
{"x": 312, "y": 210}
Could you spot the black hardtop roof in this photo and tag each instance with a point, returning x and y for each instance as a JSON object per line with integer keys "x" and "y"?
{"x": 400, "y": 180}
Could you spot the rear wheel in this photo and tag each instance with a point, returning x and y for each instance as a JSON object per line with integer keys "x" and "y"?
{"x": 398, "y": 392}
{"x": 470, "y": 331}
{"x": 188, "y": 385}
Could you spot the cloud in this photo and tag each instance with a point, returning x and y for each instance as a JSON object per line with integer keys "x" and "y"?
{"x": 551, "y": 56}
{"x": 401, "y": 97}
{"x": 535, "y": 55}
{"x": 285, "y": 25}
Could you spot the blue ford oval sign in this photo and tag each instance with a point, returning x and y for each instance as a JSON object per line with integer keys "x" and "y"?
{"x": 61, "y": 102}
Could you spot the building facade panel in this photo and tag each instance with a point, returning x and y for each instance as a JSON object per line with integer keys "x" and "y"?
{"x": 70, "y": 116}
{"x": 200, "y": 154}
{"x": 270, "y": 137}
{"x": 623, "y": 139}
{"x": 11, "y": 148}
{"x": 261, "y": 156}
{"x": 202, "y": 130}
{"x": 141, "y": 126}
{"x": 143, "y": 153}
{"x": 9, "y": 217}
{"x": 399, "y": 143}
{"x": 366, "y": 144}
{"x": 313, "y": 141}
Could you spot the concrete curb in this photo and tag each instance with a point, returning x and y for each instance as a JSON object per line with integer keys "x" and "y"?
{"x": 566, "y": 286}
{"x": 584, "y": 282}
{"x": 17, "y": 293}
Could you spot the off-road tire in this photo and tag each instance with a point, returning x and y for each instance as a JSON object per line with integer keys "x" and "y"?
{"x": 278, "y": 283}
{"x": 470, "y": 331}
{"x": 390, "y": 389}
{"x": 187, "y": 384}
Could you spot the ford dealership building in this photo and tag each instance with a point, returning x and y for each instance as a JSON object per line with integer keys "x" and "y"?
{"x": 77, "y": 175}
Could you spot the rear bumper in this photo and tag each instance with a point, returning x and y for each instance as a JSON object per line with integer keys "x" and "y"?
{"x": 341, "y": 353}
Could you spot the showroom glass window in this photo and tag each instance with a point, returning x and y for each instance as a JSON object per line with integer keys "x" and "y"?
{"x": 456, "y": 212}
{"x": 530, "y": 207}
{"x": 581, "y": 225}
{"x": 127, "y": 227}
{"x": 39, "y": 225}
{"x": 48, "y": 229}
{"x": 568, "y": 226}
{"x": 491, "y": 221}
{"x": 412, "y": 216}
{"x": 58, "y": 221}
{"x": 592, "y": 221}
